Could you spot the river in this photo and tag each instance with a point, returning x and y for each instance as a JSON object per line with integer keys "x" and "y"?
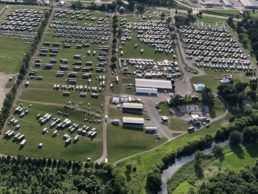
{"x": 171, "y": 170}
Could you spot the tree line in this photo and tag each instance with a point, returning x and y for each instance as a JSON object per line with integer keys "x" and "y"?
{"x": 35, "y": 175}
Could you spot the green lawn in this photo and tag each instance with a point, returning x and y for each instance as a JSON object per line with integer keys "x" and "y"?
{"x": 53, "y": 146}
{"x": 164, "y": 109}
{"x": 125, "y": 142}
{"x": 183, "y": 188}
{"x": 49, "y": 96}
{"x": 212, "y": 78}
{"x": 211, "y": 20}
{"x": 241, "y": 156}
{"x": 11, "y": 54}
{"x": 177, "y": 124}
{"x": 223, "y": 12}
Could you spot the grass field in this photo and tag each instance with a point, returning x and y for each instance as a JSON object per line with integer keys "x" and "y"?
{"x": 223, "y": 12}
{"x": 212, "y": 79}
{"x": 241, "y": 156}
{"x": 53, "y": 146}
{"x": 177, "y": 124}
{"x": 125, "y": 142}
{"x": 12, "y": 51}
{"x": 146, "y": 161}
{"x": 183, "y": 188}
{"x": 211, "y": 20}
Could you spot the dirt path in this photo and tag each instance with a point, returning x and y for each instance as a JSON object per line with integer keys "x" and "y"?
{"x": 107, "y": 93}
{"x": 4, "y": 78}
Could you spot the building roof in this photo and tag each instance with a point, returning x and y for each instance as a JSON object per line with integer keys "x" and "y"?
{"x": 153, "y": 83}
{"x": 133, "y": 120}
{"x": 132, "y": 105}
{"x": 146, "y": 90}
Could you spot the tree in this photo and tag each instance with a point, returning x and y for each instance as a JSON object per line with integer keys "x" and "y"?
{"x": 154, "y": 182}
{"x": 231, "y": 22}
{"x": 235, "y": 138}
{"x": 77, "y": 5}
{"x": 217, "y": 150}
{"x": 140, "y": 8}
{"x": 208, "y": 97}
{"x": 113, "y": 59}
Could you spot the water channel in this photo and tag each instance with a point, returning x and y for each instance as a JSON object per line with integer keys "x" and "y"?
{"x": 171, "y": 170}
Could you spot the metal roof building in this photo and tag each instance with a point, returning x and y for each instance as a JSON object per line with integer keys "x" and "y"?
{"x": 132, "y": 105}
{"x": 148, "y": 91}
{"x": 133, "y": 122}
{"x": 153, "y": 83}
{"x": 136, "y": 108}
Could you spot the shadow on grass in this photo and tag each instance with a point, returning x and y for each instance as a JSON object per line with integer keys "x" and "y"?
{"x": 238, "y": 150}
{"x": 252, "y": 150}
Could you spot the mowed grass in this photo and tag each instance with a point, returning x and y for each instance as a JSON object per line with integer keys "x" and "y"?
{"x": 125, "y": 142}
{"x": 241, "y": 156}
{"x": 146, "y": 161}
{"x": 177, "y": 124}
{"x": 212, "y": 78}
{"x": 56, "y": 97}
{"x": 53, "y": 146}
{"x": 183, "y": 188}
{"x": 210, "y": 20}
{"x": 223, "y": 12}
{"x": 12, "y": 51}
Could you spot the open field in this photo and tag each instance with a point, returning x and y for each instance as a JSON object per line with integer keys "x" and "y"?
{"x": 212, "y": 78}
{"x": 146, "y": 161}
{"x": 54, "y": 147}
{"x": 223, "y": 12}
{"x": 241, "y": 156}
{"x": 12, "y": 51}
{"x": 177, "y": 124}
{"x": 125, "y": 142}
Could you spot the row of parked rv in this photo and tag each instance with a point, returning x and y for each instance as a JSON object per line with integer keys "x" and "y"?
{"x": 149, "y": 68}
{"x": 71, "y": 32}
{"x": 214, "y": 47}
{"x": 79, "y": 15}
{"x": 154, "y": 33}
{"x": 23, "y": 20}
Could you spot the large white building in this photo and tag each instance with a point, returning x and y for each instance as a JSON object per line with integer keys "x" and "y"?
{"x": 160, "y": 85}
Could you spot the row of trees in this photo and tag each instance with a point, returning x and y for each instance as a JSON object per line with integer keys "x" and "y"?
{"x": 114, "y": 41}
{"x": 23, "y": 70}
{"x": 27, "y": 175}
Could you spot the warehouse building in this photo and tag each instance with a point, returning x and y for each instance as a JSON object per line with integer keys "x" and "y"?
{"x": 147, "y": 91}
{"x": 133, "y": 122}
{"x": 160, "y": 85}
{"x": 136, "y": 108}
